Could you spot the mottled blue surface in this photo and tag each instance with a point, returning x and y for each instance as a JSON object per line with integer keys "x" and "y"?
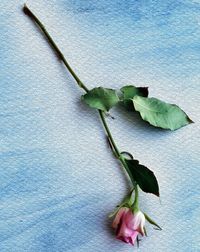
{"x": 58, "y": 179}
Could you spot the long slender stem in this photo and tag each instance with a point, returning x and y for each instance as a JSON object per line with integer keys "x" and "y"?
{"x": 29, "y": 13}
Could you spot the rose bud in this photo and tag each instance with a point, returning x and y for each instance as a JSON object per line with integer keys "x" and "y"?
{"x": 128, "y": 224}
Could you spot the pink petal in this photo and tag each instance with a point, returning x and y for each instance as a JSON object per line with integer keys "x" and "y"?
{"x": 134, "y": 237}
{"x": 118, "y": 217}
{"x": 124, "y": 231}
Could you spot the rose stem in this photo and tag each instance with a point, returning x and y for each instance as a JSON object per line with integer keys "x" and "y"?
{"x": 29, "y": 13}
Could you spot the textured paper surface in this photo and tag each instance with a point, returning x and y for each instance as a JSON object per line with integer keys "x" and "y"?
{"x": 58, "y": 178}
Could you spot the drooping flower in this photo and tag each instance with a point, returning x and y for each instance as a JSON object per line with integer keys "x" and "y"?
{"x": 128, "y": 224}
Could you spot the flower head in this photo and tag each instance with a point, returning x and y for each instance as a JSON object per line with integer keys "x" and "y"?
{"x": 128, "y": 224}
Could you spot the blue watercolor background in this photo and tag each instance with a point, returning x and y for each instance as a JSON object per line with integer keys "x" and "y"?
{"x": 58, "y": 179}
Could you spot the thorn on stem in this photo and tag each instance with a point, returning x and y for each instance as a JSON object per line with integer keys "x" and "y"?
{"x": 109, "y": 115}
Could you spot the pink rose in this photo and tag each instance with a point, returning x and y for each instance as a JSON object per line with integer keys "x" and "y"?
{"x": 128, "y": 225}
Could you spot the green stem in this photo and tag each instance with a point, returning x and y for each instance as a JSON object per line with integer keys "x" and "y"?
{"x": 117, "y": 152}
{"x": 136, "y": 201}
{"x": 109, "y": 134}
{"x": 29, "y": 13}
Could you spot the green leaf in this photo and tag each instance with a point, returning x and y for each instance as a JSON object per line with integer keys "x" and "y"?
{"x": 129, "y": 92}
{"x": 144, "y": 177}
{"x": 161, "y": 114}
{"x": 101, "y": 98}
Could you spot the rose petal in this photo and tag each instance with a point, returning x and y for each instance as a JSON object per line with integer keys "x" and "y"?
{"x": 118, "y": 216}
